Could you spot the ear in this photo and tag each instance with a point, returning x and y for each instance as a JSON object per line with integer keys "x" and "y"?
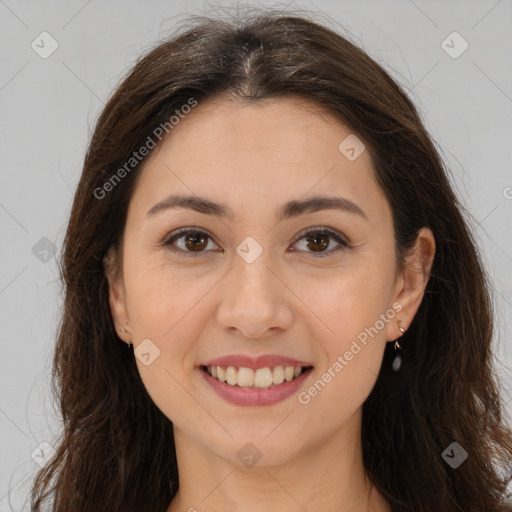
{"x": 116, "y": 294}
{"x": 412, "y": 282}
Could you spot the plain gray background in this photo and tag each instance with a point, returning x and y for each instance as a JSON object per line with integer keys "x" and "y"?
{"x": 49, "y": 106}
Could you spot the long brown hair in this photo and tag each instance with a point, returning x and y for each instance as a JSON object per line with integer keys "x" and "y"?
{"x": 116, "y": 452}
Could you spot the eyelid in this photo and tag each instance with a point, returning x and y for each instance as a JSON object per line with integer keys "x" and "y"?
{"x": 321, "y": 229}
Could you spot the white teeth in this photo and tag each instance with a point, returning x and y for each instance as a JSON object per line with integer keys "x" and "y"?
{"x": 288, "y": 373}
{"x": 278, "y": 375}
{"x": 263, "y": 378}
{"x": 231, "y": 375}
{"x": 245, "y": 377}
{"x": 260, "y": 378}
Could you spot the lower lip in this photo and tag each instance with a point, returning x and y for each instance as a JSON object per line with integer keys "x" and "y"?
{"x": 254, "y": 396}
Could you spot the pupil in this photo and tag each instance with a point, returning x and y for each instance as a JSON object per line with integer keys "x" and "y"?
{"x": 194, "y": 237}
{"x": 316, "y": 237}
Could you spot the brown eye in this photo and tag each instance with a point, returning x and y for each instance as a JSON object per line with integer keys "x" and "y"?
{"x": 194, "y": 242}
{"x": 317, "y": 240}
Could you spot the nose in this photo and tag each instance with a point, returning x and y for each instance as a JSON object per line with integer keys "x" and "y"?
{"x": 255, "y": 300}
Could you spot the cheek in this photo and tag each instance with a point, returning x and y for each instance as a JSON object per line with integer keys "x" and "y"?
{"x": 351, "y": 349}
{"x": 162, "y": 308}
{"x": 354, "y": 311}
{"x": 346, "y": 301}
{"x": 160, "y": 298}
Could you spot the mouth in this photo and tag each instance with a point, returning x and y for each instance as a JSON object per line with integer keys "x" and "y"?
{"x": 259, "y": 378}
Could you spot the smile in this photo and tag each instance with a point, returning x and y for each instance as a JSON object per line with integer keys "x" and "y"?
{"x": 262, "y": 378}
{"x": 257, "y": 386}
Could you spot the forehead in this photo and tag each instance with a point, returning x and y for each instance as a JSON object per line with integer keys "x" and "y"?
{"x": 259, "y": 154}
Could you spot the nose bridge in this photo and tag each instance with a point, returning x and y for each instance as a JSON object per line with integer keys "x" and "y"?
{"x": 252, "y": 261}
{"x": 252, "y": 279}
{"x": 253, "y": 299}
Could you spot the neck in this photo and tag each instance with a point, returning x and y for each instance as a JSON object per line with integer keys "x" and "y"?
{"x": 327, "y": 476}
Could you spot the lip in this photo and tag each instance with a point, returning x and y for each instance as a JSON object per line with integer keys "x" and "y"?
{"x": 253, "y": 396}
{"x": 270, "y": 360}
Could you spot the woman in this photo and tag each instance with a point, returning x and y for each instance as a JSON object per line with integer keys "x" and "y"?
{"x": 273, "y": 300}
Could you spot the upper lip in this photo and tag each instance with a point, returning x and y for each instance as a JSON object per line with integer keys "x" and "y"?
{"x": 270, "y": 360}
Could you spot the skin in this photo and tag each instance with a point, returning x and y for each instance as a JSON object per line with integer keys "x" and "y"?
{"x": 254, "y": 158}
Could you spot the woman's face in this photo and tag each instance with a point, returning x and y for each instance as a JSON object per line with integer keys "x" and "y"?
{"x": 252, "y": 282}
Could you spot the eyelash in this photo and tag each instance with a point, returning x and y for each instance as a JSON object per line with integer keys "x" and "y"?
{"x": 180, "y": 233}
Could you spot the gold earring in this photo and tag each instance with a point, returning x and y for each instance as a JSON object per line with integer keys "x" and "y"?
{"x": 397, "y": 362}
{"x": 402, "y": 330}
{"x": 123, "y": 330}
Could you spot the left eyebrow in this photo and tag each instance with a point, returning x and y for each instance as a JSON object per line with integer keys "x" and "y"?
{"x": 287, "y": 211}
